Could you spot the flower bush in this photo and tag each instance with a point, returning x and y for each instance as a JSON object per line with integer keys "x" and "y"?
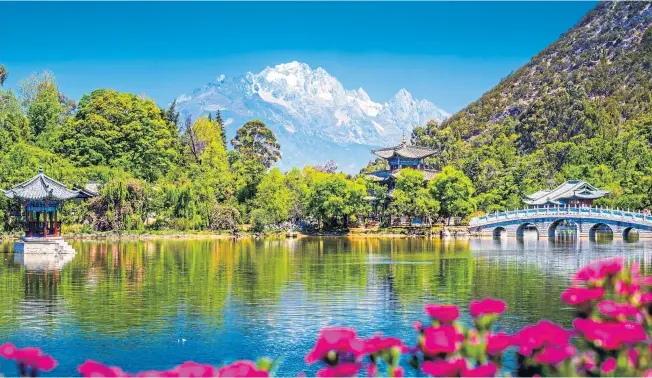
{"x": 610, "y": 336}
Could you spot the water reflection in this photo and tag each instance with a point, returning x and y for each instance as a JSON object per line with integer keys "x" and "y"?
{"x": 129, "y": 303}
{"x": 43, "y": 262}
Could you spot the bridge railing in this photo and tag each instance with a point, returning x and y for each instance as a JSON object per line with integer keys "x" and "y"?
{"x": 582, "y": 211}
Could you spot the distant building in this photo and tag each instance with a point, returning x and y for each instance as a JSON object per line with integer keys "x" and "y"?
{"x": 399, "y": 157}
{"x": 571, "y": 193}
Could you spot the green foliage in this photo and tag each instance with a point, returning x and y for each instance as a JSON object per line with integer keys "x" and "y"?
{"x": 255, "y": 141}
{"x": 454, "y": 191}
{"x": 120, "y": 130}
{"x": 261, "y": 219}
{"x": 411, "y": 198}
{"x": 332, "y": 199}
{"x": 580, "y": 109}
{"x": 3, "y": 74}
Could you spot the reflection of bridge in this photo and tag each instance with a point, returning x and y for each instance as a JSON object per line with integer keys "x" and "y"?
{"x": 585, "y": 221}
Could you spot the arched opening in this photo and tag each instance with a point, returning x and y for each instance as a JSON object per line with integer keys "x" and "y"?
{"x": 630, "y": 234}
{"x": 499, "y": 232}
{"x": 601, "y": 232}
{"x": 527, "y": 230}
{"x": 563, "y": 229}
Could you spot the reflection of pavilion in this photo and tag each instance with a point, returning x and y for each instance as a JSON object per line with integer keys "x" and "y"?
{"x": 43, "y": 262}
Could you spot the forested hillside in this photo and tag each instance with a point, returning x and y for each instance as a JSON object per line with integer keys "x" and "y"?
{"x": 581, "y": 108}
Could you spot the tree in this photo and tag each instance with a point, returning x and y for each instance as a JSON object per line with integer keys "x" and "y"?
{"x": 256, "y": 141}
{"x": 3, "y": 74}
{"x": 213, "y": 160}
{"x": 410, "y": 197}
{"x": 274, "y": 196}
{"x": 220, "y": 120}
{"x": 332, "y": 199}
{"x": 42, "y": 102}
{"x": 454, "y": 191}
{"x": 120, "y": 130}
{"x": 14, "y": 126}
{"x": 171, "y": 113}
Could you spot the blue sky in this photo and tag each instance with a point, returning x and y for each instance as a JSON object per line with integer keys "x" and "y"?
{"x": 449, "y": 53}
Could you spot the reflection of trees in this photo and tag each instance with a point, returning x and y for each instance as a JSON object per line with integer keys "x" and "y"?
{"x": 135, "y": 286}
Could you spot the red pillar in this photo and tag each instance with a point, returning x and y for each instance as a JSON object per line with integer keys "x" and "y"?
{"x": 56, "y": 229}
{"x": 45, "y": 223}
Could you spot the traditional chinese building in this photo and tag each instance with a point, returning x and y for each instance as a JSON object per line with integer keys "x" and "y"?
{"x": 40, "y": 199}
{"x": 571, "y": 193}
{"x": 400, "y": 157}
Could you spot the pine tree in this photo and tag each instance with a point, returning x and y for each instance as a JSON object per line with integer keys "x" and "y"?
{"x": 210, "y": 116}
{"x": 220, "y": 120}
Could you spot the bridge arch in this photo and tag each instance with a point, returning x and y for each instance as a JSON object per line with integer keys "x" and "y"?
{"x": 600, "y": 228}
{"x": 567, "y": 224}
{"x": 631, "y": 233}
{"x": 499, "y": 231}
{"x": 520, "y": 231}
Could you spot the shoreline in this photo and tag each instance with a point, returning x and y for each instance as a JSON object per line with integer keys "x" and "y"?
{"x": 354, "y": 233}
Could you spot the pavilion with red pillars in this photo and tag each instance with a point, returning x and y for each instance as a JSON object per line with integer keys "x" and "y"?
{"x": 40, "y": 199}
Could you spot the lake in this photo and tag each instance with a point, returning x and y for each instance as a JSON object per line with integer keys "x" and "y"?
{"x": 154, "y": 304}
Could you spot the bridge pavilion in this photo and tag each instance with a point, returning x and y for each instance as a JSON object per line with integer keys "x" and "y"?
{"x": 575, "y": 193}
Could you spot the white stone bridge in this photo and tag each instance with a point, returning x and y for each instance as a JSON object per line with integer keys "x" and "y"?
{"x": 586, "y": 221}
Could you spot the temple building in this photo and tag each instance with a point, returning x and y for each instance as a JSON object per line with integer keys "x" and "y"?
{"x": 571, "y": 193}
{"x": 39, "y": 200}
{"x": 399, "y": 157}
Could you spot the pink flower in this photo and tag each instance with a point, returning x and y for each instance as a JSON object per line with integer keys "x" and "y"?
{"x": 7, "y": 350}
{"x": 348, "y": 369}
{"x": 440, "y": 340}
{"x": 487, "y": 306}
{"x": 551, "y": 355}
{"x": 399, "y": 372}
{"x": 577, "y": 295}
{"x": 378, "y": 343}
{"x": 341, "y": 340}
{"x": 92, "y": 368}
{"x": 498, "y": 342}
{"x": 646, "y": 281}
{"x": 632, "y": 357}
{"x": 486, "y": 370}
{"x": 444, "y": 368}
{"x": 624, "y": 288}
{"x": 241, "y": 369}
{"x": 646, "y": 298}
{"x": 608, "y": 366}
{"x": 598, "y": 270}
{"x": 372, "y": 370}
{"x": 417, "y": 326}
{"x": 617, "y": 310}
{"x": 193, "y": 369}
{"x": 541, "y": 334}
{"x": 30, "y": 357}
{"x": 610, "y": 335}
{"x": 443, "y": 313}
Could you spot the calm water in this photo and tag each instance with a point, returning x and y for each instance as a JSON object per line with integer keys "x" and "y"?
{"x": 133, "y": 304}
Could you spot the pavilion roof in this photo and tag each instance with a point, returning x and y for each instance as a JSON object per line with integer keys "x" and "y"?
{"x": 41, "y": 187}
{"x": 570, "y": 189}
{"x": 404, "y": 150}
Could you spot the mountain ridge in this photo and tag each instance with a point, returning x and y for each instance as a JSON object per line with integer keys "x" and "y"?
{"x": 308, "y": 107}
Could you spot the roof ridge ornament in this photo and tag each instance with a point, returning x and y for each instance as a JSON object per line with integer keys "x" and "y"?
{"x": 40, "y": 170}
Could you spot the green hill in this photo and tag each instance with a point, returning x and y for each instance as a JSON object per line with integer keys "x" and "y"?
{"x": 581, "y": 108}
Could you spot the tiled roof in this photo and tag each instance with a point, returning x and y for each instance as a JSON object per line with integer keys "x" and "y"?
{"x": 41, "y": 187}
{"x": 569, "y": 189}
{"x": 404, "y": 150}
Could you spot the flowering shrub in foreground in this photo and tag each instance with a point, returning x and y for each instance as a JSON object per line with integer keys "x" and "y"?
{"x": 610, "y": 337}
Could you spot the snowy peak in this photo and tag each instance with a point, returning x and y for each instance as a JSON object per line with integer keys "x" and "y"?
{"x": 307, "y": 107}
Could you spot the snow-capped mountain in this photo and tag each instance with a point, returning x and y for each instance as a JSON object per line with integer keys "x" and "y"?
{"x": 314, "y": 118}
